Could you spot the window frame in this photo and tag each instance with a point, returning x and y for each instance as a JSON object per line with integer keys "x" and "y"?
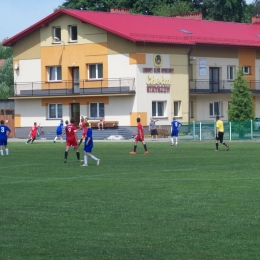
{"x": 178, "y": 102}
{"x": 231, "y": 74}
{"x": 97, "y": 71}
{"x": 56, "y": 111}
{"x": 214, "y": 114}
{"x": 98, "y": 115}
{"x": 164, "y": 104}
{"x": 56, "y": 74}
{"x": 56, "y": 35}
{"x": 244, "y": 68}
{"x": 71, "y": 33}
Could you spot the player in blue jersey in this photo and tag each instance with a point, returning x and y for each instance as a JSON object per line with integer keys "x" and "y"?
{"x": 59, "y": 132}
{"x": 88, "y": 145}
{"x": 175, "y": 131}
{"x": 4, "y": 133}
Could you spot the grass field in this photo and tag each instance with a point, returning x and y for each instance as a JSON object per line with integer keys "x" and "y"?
{"x": 185, "y": 202}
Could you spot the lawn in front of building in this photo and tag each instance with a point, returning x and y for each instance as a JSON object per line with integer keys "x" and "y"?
{"x": 184, "y": 202}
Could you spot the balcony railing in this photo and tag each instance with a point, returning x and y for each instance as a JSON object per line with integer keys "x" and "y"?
{"x": 222, "y": 86}
{"x": 80, "y": 87}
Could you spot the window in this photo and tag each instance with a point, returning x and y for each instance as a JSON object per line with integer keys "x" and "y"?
{"x": 54, "y": 73}
{"x": 215, "y": 109}
{"x": 230, "y": 72}
{"x": 158, "y": 108}
{"x": 246, "y": 69}
{"x": 73, "y": 33}
{"x": 95, "y": 71}
{"x": 54, "y": 111}
{"x": 97, "y": 110}
{"x": 177, "y": 108}
{"x": 56, "y": 34}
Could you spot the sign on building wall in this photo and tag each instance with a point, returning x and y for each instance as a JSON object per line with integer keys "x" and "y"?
{"x": 203, "y": 67}
{"x": 156, "y": 80}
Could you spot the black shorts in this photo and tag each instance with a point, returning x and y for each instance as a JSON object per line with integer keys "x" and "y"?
{"x": 154, "y": 132}
{"x": 220, "y": 136}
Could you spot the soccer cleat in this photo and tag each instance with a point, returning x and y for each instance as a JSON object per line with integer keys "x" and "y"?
{"x": 98, "y": 161}
{"x": 227, "y": 147}
{"x": 54, "y": 141}
{"x": 216, "y": 150}
{"x": 65, "y": 160}
{"x": 133, "y": 152}
{"x": 146, "y": 152}
{"x": 80, "y": 160}
{"x": 84, "y": 164}
{"x": 172, "y": 144}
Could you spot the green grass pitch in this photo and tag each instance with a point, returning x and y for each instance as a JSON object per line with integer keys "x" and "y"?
{"x": 185, "y": 202}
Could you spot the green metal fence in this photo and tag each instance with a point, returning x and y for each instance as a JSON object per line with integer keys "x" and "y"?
{"x": 206, "y": 130}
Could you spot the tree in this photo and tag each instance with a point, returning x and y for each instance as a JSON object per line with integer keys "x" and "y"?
{"x": 7, "y": 79}
{"x": 241, "y": 110}
{"x": 5, "y": 52}
{"x": 241, "y": 107}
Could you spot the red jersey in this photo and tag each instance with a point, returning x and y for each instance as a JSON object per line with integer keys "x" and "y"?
{"x": 140, "y": 129}
{"x": 34, "y": 130}
{"x": 70, "y": 131}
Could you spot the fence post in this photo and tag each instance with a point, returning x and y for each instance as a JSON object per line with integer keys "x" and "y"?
{"x": 193, "y": 130}
{"x": 230, "y": 137}
{"x": 251, "y": 129}
{"x": 200, "y": 131}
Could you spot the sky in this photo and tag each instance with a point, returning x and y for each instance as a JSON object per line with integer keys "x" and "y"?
{"x": 18, "y": 15}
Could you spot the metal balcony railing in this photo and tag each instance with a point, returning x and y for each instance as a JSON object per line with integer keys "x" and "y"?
{"x": 80, "y": 87}
{"x": 221, "y": 86}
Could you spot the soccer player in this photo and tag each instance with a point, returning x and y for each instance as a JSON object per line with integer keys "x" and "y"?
{"x": 4, "y": 133}
{"x": 71, "y": 139}
{"x": 139, "y": 137}
{"x": 59, "y": 132}
{"x": 33, "y": 133}
{"x": 175, "y": 131}
{"x": 88, "y": 145}
{"x": 220, "y": 133}
{"x": 82, "y": 126}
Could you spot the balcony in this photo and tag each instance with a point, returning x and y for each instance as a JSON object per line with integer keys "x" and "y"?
{"x": 80, "y": 88}
{"x": 220, "y": 87}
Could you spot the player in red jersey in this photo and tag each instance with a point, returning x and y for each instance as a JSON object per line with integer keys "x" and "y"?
{"x": 82, "y": 126}
{"x": 139, "y": 137}
{"x": 72, "y": 139}
{"x": 33, "y": 133}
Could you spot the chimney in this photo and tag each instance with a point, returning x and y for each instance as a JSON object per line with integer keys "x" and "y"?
{"x": 256, "y": 19}
{"x": 192, "y": 16}
{"x": 119, "y": 10}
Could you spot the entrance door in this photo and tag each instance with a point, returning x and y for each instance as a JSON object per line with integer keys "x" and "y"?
{"x": 75, "y": 112}
{"x": 75, "y": 80}
{"x": 8, "y": 116}
{"x": 214, "y": 79}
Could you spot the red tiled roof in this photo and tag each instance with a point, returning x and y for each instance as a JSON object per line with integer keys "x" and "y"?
{"x": 157, "y": 29}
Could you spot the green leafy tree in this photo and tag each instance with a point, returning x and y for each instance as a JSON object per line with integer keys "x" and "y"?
{"x": 5, "y": 52}
{"x": 174, "y": 9}
{"x": 7, "y": 79}
{"x": 241, "y": 110}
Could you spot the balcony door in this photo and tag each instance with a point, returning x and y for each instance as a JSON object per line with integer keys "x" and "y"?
{"x": 214, "y": 80}
{"x": 75, "y": 112}
{"x": 75, "y": 80}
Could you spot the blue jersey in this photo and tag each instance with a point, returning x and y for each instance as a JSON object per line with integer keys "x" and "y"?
{"x": 175, "y": 125}
{"x": 3, "y": 130}
{"x": 59, "y": 128}
{"x": 89, "y": 135}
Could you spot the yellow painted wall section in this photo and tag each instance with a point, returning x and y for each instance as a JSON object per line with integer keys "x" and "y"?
{"x": 28, "y": 48}
{"x": 137, "y": 58}
{"x": 17, "y": 120}
{"x": 247, "y": 58}
{"x": 135, "y": 115}
{"x": 71, "y": 100}
{"x": 74, "y": 55}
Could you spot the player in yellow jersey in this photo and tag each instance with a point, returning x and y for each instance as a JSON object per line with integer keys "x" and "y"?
{"x": 220, "y": 133}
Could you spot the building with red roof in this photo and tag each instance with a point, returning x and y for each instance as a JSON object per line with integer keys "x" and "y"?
{"x": 121, "y": 66}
